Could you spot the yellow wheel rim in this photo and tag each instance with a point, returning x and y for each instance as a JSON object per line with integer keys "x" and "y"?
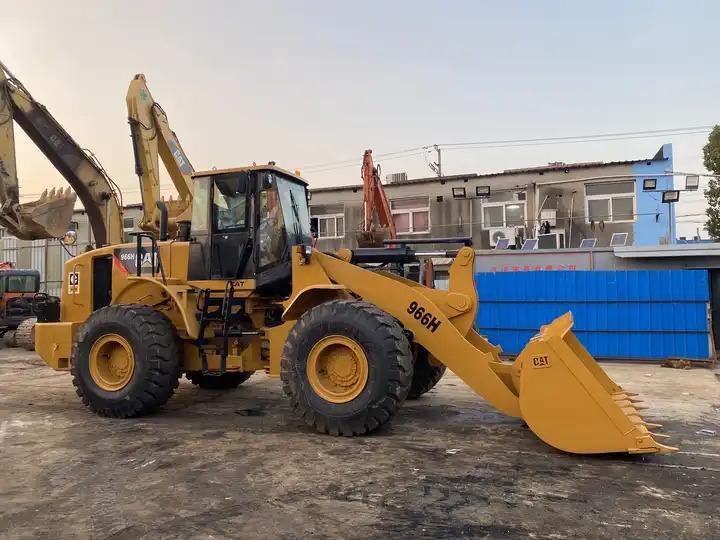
{"x": 112, "y": 362}
{"x": 337, "y": 369}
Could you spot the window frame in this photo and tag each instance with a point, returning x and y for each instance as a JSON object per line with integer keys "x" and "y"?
{"x": 501, "y": 204}
{"x": 329, "y": 216}
{"x": 410, "y": 212}
{"x": 609, "y": 197}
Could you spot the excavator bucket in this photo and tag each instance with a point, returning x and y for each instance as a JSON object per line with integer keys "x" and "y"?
{"x": 569, "y": 401}
{"x": 373, "y": 238}
{"x": 48, "y": 217}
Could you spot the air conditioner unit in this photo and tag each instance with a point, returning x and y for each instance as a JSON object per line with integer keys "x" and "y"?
{"x": 554, "y": 240}
{"x": 496, "y": 233}
{"x": 396, "y": 178}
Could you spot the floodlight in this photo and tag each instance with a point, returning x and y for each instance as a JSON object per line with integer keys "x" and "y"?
{"x": 692, "y": 182}
{"x": 650, "y": 184}
{"x": 588, "y": 243}
{"x": 458, "y": 192}
{"x": 671, "y": 196}
{"x": 482, "y": 191}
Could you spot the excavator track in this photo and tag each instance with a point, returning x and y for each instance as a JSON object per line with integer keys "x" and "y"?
{"x": 25, "y": 334}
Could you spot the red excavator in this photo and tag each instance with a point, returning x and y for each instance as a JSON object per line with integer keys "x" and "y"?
{"x": 378, "y": 224}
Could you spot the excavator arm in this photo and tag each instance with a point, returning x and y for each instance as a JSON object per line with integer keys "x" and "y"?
{"x": 152, "y": 137}
{"x": 50, "y": 216}
{"x": 378, "y": 221}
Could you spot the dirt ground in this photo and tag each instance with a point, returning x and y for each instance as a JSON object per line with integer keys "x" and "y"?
{"x": 238, "y": 464}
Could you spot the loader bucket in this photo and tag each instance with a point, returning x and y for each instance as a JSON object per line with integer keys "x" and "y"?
{"x": 48, "y": 217}
{"x": 572, "y": 404}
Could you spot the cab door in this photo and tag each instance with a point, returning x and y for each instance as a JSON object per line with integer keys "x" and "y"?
{"x": 231, "y": 248}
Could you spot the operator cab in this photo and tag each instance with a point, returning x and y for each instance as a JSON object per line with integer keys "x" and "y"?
{"x": 244, "y": 223}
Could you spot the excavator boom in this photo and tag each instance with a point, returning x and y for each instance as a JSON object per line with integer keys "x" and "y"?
{"x": 378, "y": 223}
{"x": 152, "y": 137}
{"x": 50, "y": 216}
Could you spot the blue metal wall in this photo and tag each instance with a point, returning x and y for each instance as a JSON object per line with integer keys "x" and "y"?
{"x": 637, "y": 314}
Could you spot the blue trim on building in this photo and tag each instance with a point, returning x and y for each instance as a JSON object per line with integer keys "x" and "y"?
{"x": 651, "y": 224}
{"x": 630, "y": 314}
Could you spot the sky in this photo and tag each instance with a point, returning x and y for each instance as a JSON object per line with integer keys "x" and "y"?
{"x": 308, "y": 84}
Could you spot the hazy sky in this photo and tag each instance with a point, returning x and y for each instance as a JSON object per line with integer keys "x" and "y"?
{"x": 309, "y": 83}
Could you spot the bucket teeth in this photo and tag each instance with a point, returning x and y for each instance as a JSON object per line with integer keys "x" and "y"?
{"x": 625, "y": 397}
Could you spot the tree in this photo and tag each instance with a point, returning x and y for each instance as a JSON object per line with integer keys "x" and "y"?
{"x": 711, "y": 160}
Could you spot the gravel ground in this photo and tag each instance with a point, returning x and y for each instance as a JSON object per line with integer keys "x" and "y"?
{"x": 238, "y": 464}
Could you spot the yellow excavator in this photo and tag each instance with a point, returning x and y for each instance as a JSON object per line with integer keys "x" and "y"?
{"x": 50, "y": 216}
{"x": 240, "y": 289}
{"x": 152, "y": 138}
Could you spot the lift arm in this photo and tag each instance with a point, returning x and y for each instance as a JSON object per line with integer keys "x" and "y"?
{"x": 152, "y": 137}
{"x": 50, "y": 216}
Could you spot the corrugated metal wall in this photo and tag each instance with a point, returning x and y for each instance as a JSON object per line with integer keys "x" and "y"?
{"x": 635, "y": 314}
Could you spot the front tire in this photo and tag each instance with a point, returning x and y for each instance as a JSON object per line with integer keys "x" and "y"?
{"x": 126, "y": 361}
{"x": 346, "y": 367}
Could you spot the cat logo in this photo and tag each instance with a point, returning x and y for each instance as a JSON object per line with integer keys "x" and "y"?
{"x": 74, "y": 283}
{"x": 146, "y": 260}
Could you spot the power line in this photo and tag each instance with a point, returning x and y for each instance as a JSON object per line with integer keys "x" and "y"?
{"x": 455, "y": 148}
{"x": 510, "y": 143}
{"x": 597, "y": 135}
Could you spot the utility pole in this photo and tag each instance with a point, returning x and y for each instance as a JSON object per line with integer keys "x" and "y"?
{"x": 436, "y": 166}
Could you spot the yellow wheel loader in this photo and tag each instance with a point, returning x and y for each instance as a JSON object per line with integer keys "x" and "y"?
{"x": 240, "y": 289}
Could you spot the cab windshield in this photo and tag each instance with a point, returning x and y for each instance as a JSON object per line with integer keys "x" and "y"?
{"x": 295, "y": 211}
{"x": 21, "y": 283}
{"x": 284, "y": 219}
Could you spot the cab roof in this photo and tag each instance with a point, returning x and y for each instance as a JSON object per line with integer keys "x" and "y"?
{"x": 213, "y": 172}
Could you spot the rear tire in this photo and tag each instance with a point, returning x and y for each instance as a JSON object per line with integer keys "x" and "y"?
{"x": 226, "y": 381}
{"x": 425, "y": 374}
{"x": 25, "y": 334}
{"x": 125, "y": 341}
{"x": 367, "y": 367}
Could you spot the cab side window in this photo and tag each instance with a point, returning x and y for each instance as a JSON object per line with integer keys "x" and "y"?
{"x": 230, "y": 204}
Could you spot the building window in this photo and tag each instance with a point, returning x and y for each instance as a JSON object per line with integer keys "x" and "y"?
{"x": 328, "y": 221}
{"x": 503, "y": 214}
{"x": 611, "y": 202}
{"x": 411, "y": 215}
{"x": 128, "y": 227}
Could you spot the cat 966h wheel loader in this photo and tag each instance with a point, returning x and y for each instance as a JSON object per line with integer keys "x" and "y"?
{"x": 240, "y": 289}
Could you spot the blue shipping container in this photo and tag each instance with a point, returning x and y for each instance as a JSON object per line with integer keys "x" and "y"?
{"x": 632, "y": 314}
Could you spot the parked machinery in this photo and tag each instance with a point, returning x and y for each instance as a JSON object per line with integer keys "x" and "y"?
{"x": 18, "y": 290}
{"x": 50, "y": 216}
{"x": 377, "y": 222}
{"x": 243, "y": 290}
{"x": 152, "y": 139}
